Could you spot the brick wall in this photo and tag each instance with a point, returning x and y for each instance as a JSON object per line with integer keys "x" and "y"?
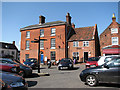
{"x": 35, "y": 33}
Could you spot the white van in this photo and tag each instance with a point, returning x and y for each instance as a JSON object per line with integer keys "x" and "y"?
{"x": 104, "y": 59}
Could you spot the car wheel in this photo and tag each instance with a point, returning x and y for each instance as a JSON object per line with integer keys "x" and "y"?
{"x": 22, "y": 73}
{"x": 91, "y": 80}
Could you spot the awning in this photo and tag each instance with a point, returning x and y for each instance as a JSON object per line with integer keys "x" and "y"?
{"x": 111, "y": 51}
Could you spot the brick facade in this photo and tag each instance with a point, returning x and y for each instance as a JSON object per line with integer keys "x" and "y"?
{"x": 94, "y": 47}
{"x": 106, "y": 36}
{"x": 64, "y": 31}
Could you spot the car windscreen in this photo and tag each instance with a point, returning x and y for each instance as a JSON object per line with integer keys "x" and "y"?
{"x": 66, "y": 61}
{"x": 30, "y": 60}
{"x": 93, "y": 59}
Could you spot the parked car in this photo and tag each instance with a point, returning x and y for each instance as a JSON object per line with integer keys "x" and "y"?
{"x": 104, "y": 59}
{"x": 92, "y": 62}
{"x": 107, "y": 73}
{"x": 32, "y": 62}
{"x": 24, "y": 69}
{"x": 13, "y": 68}
{"x": 65, "y": 63}
{"x": 12, "y": 81}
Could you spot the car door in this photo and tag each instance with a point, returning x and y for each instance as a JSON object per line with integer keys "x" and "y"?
{"x": 111, "y": 73}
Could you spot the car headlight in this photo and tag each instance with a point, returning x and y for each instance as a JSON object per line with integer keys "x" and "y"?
{"x": 32, "y": 64}
{"x": 14, "y": 69}
{"x": 87, "y": 64}
{"x": 60, "y": 65}
{"x": 16, "y": 84}
{"x": 70, "y": 65}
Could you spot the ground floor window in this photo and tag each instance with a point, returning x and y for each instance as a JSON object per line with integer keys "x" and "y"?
{"x": 76, "y": 55}
{"x": 52, "y": 54}
{"x": 26, "y": 56}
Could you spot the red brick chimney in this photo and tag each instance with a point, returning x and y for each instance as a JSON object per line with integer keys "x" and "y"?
{"x": 41, "y": 19}
{"x": 68, "y": 18}
{"x": 13, "y": 42}
{"x": 113, "y": 18}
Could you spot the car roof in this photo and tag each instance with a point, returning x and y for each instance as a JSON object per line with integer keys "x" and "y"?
{"x": 111, "y": 56}
{"x": 6, "y": 59}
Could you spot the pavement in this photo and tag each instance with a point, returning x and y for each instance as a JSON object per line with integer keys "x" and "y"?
{"x": 60, "y": 78}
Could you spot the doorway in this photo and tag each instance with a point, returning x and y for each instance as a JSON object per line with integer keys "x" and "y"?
{"x": 85, "y": 56}
{"x": 42, "y": 57}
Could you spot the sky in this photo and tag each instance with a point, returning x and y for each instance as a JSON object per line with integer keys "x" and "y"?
{"x": 16, "y": 15}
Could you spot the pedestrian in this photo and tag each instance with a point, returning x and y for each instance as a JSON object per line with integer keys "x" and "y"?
{"x": 74, "y": 61}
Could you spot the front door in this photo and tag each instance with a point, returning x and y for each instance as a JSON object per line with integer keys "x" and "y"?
{"x": 42, "y": 58}
{"x": 85, "y": 56}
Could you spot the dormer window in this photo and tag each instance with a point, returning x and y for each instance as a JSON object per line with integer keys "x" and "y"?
{"x": 114, "y": 30}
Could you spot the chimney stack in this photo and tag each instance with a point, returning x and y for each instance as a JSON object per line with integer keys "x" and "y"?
{"x": 68, "y": 18}
{"x": 114, "y": 18}
{"x": 41, "y": 19}
{"x": 13, "y": 42}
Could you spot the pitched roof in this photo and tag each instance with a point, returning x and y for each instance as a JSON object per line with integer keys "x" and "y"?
{"x": 43, "y": 25}
{"x": 83, "y": 33}
{"x": 4, "y": 45}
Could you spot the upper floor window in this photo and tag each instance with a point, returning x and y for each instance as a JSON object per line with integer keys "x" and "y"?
{"x": 28, "y": 34}
{"x": 114, "y": 40}
{"x": 85, "y": 43}
{"x": 27, "y": 45}
{"x": 114, "y": 30}
{"x": 75, "y": 43}
{"x": 42, "y": 33}
{"x": 41, "y": 44}
{"x": 53, "y": 30}
{"x": 52, "y": 43}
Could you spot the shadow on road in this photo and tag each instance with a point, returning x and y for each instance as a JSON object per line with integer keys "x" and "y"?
{"x": 34, "y": 75}
{"x": 31, "y": 83}
{"x": 37, "y": 68}
{"x": 109, "y": 85}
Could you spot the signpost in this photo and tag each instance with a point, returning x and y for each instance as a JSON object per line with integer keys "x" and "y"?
{"x": 38, "y": 41}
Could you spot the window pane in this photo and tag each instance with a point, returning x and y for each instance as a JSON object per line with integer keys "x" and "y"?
{"x": 53, "y": 43}
{"x": 27, "y": 44}
{"x": 52, "y": 31}
{"x": 28, "y": 34}
{"x": 53, "y": 55}
{"x": 41, "y": 32}
{"x": 41, "y": 44}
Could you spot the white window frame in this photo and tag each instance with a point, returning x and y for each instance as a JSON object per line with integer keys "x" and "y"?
{"x": 75, "y": 44}
{"x": 115, "y": 39}
{"x": 41, "y": 44}
{"x": 114, "y": 30}
{"x": 53, "y": 31}
{"x": 85, "y": 43}
{"x": 41, "y": 32}
{"x": 28, "y": 34}
{"x": 53, "y": 43}
{"x": 27, "y": 44}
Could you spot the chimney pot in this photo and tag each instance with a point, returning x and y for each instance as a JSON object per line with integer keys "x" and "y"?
{"x": 41, "y": 19}
{"x": 68, "y": 18}
{"x": 13, "y": 42}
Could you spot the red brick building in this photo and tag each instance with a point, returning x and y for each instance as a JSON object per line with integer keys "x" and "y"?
{"x": 84, "y": 43}
{"x": 55, "y": 35}
{"x": 110, "y": 39}
{"x": 57, "y": 40}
